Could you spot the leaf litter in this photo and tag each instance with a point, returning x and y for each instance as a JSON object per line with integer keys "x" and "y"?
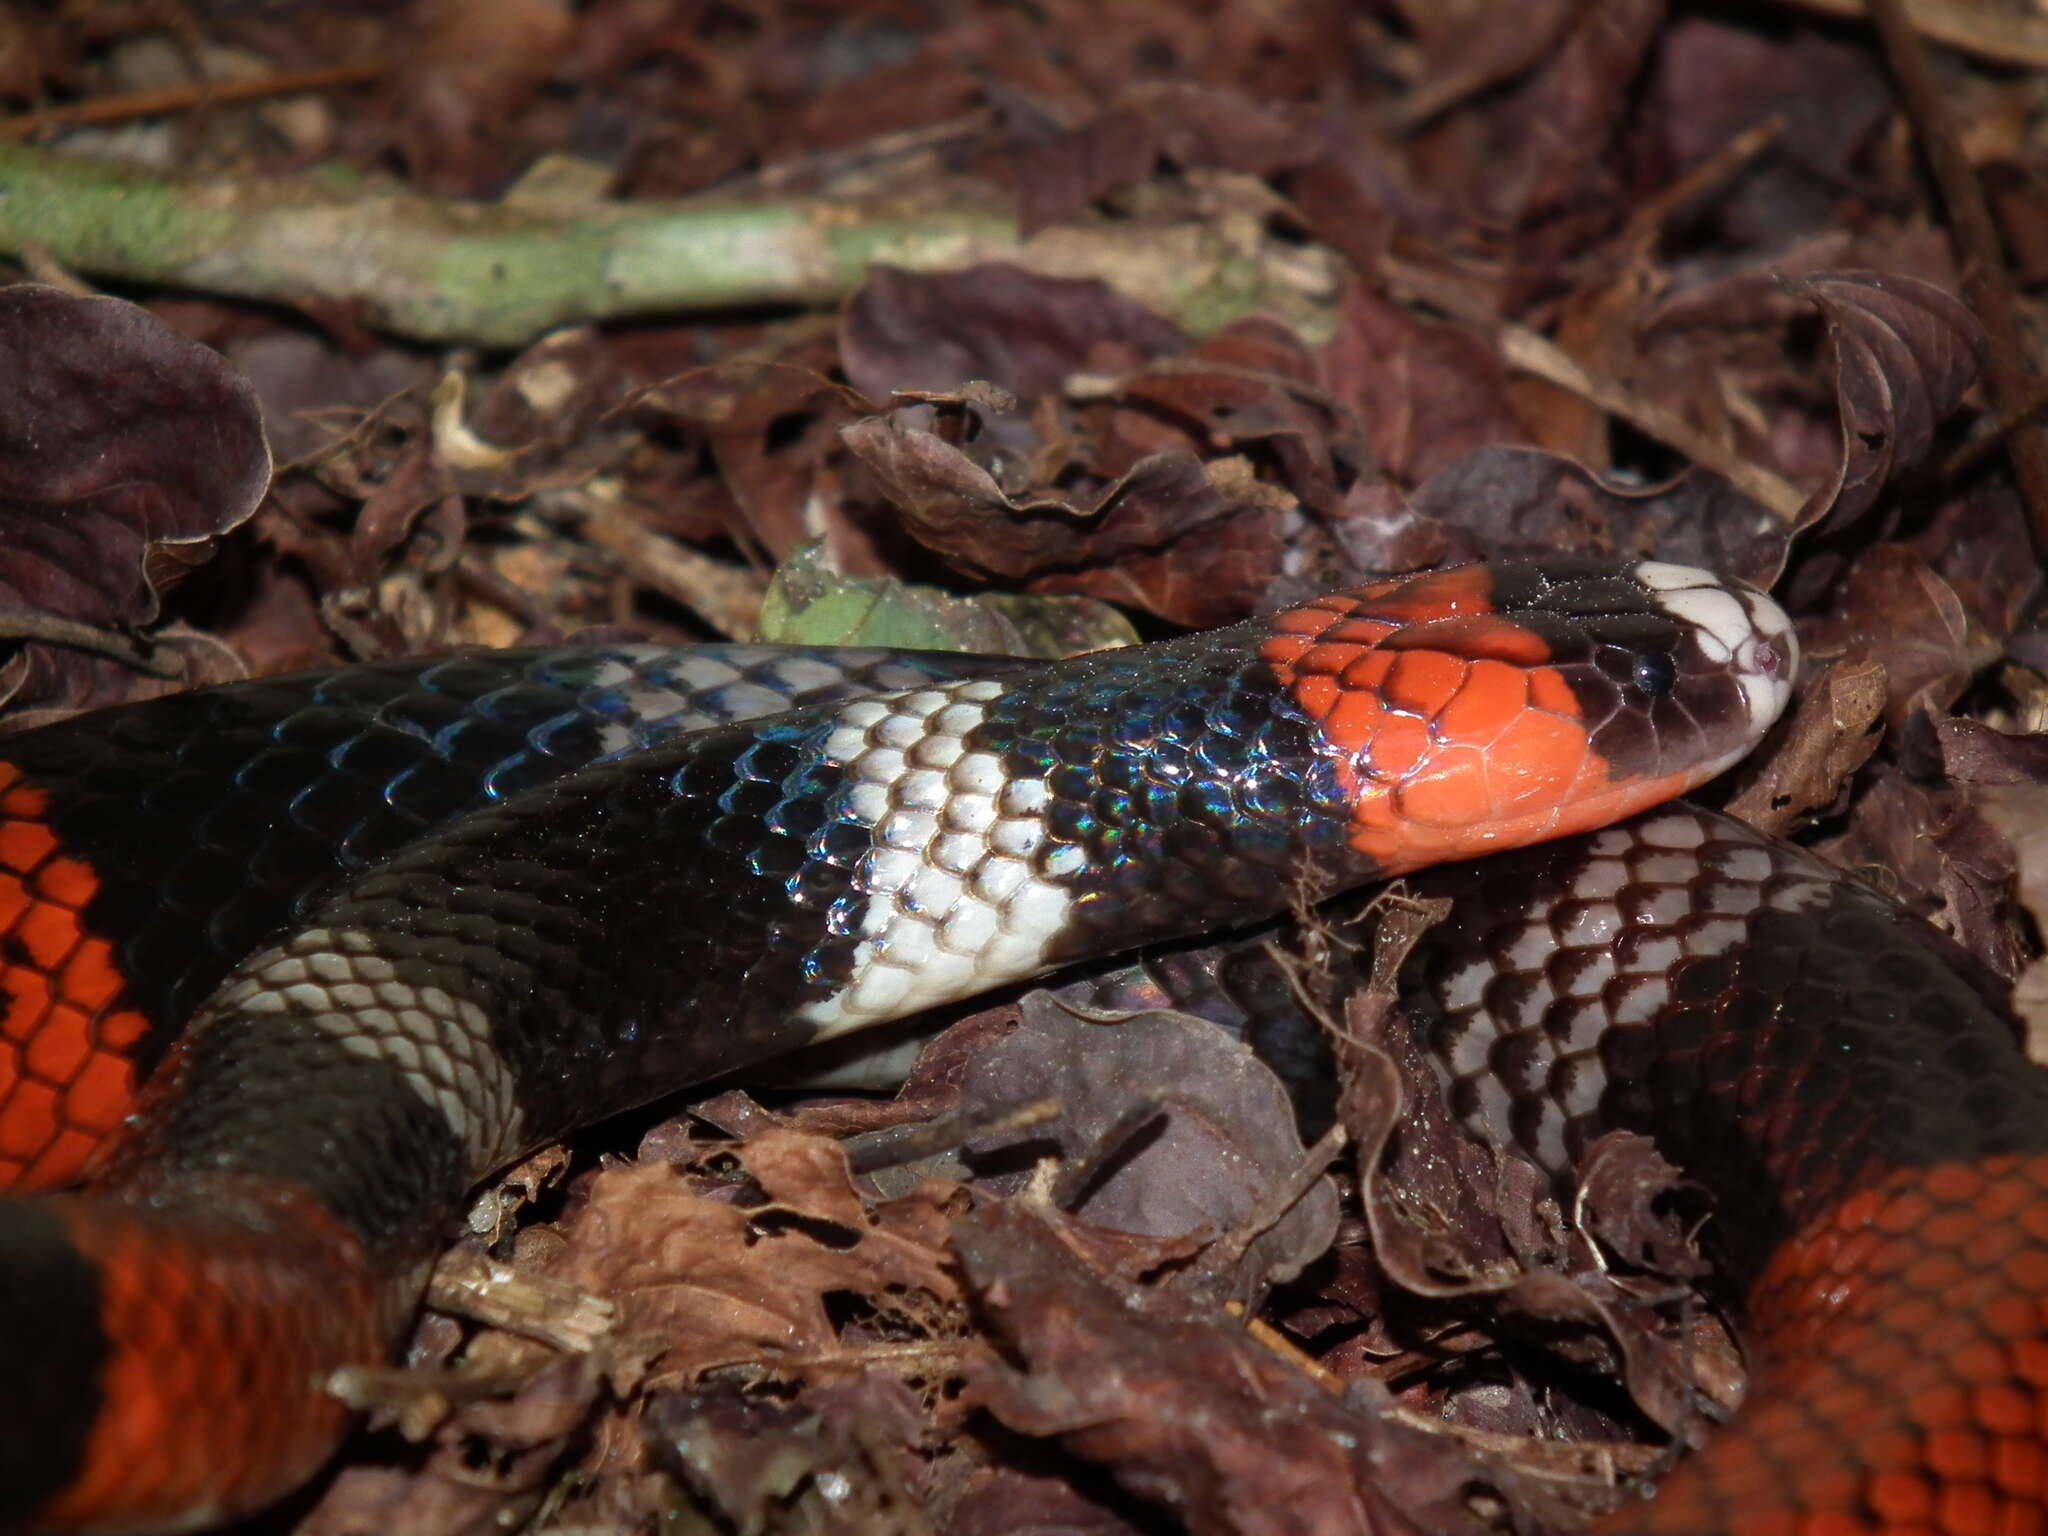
{"x": 1608, "y": 280}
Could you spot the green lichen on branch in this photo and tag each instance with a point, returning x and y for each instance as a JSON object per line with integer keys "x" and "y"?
{"x": 500, "y": 274}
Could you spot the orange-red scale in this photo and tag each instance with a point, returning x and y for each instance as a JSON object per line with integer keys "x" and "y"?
{"x": 67, "y": 1079}
{"x": 1438, "y": 742}
{"x": 187, "y": 1302}
{"x": 1901, "y": 1383}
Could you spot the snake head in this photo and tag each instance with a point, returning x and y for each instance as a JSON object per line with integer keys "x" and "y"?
{"x": 1487, "y": 706}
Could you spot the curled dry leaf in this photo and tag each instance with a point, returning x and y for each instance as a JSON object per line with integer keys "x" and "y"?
{"x": 835, "y": 1464}
{"x": 1927, "y": 845}
{"x": 1426, "y": 393}
{"x": 1003, "y": 1501}
{"x": 1429, "y": 1193}
{"x": 1978, "y": 757}
{"x": 905, "y": 331}
{"x": 468, "y": 67}
{"x": 1623, "y": 1199}
{"x": 1194, "y": 543}
{"x": 1052, "y": 432}
{"x": 701, "y": 1280}
{"x": 770, "y": 417}
{"x": 1574, "y": 110}
{"x": 1509, "y": 503}
{"x": 1832, "y": 733}
{"x": 1980, "y": 853}
{"x": 1455, "y": 1220}
{"x": 1977, "y": 542}
{"x": 1904, "y": 354}
{"x": 490, "y": 1466}
{"x": 126, "y": 451}
{"x": 1255, "y": 389}
{"x": 1192, "y": 124}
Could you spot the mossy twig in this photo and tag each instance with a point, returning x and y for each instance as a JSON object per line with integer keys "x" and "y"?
{"x": 499, "y": 274}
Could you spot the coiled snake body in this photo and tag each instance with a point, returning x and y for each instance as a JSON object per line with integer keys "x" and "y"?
{"x": 423, "y": 918}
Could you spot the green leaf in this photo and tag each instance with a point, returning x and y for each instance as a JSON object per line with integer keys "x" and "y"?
{"x": 808, "y": 603}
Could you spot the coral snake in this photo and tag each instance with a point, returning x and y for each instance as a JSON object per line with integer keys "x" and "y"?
{"x": 288, "y": 966}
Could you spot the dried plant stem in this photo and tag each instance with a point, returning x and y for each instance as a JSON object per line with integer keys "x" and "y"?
{"x": 726, "y": 597}
{"x": 500, "y": 274}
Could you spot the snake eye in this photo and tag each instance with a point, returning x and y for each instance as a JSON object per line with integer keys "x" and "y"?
{"x": 1656, "y": 673}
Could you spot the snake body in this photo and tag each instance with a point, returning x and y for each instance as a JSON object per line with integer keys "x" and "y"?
{"x": 1827, "y": 1066}
{"x": 597, "y": 905}
{"x": 144, "y": 852}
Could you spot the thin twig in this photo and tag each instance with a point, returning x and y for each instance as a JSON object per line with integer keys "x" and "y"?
{"x": 1986, "y": 284}
{"x": 727, "y": 597}
{"x": 893, "y": 1146}
{"x": 1990, "y": 440}
{"x": 185, "y": 98}
{"x": 1719, "y": 168}
{"x": 487, "y": 585}
{"x": 1079, "y": 1180}
{"x": 1272, "y": 1338}
{"x": 51, "y": 630}
{"x": 1278, "y": 1202}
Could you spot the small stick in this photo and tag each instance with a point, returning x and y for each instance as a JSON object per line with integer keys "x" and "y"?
{"x": 726, "y": 597}
{"x": 1723, "y": 165}
{"x": 52, "y": 630}
{"x": 184, "y": 98}
{"x": 1981, "y": 447}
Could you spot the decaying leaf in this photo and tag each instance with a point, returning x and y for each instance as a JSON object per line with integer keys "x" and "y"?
{"x": 1184, "y": 1408}
{"x": 703, "y": 1279}
{"x": 1904, "y": 352}
{"x": 126, "y": 452}
{"x": 1195, "y": 543}
{"x": 1832, "y": 732}
{"x": 1213, "y": 1134}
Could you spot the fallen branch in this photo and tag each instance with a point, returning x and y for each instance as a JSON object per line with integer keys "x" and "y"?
{"x": 500, "y": 274}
